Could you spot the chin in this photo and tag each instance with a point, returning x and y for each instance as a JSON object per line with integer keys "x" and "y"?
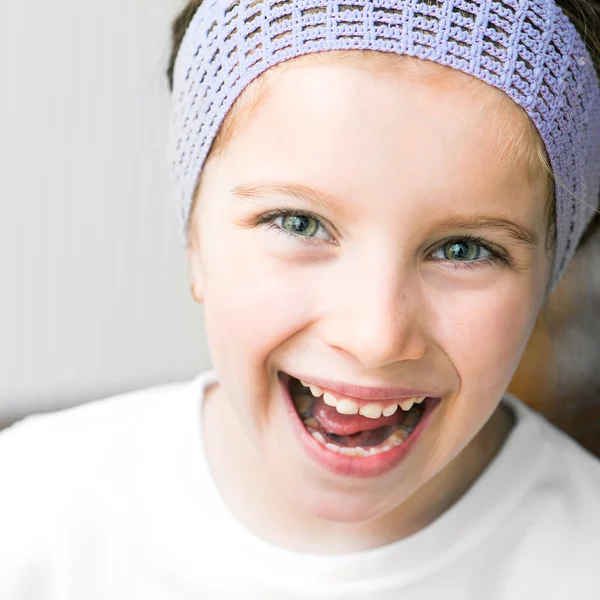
{"x": 337, "y": 501}
{"x": 344, "y": 511}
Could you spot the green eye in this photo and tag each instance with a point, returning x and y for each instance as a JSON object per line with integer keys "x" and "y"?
{"x": 462, "y": 251}
{"x": 300, "y": 225}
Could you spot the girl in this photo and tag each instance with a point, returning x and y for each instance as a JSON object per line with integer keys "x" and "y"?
{"x": 376, "y": 200}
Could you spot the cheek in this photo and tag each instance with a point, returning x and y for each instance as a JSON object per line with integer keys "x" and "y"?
{"x": 253, "y": 301}
{"x": 484, "y": 335}
{"x": 483, "y": 339}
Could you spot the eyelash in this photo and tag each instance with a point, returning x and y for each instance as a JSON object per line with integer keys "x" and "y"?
{"x": 496, "y": 256}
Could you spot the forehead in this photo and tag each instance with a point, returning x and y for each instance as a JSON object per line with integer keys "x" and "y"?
{"x": 383, "y": 111}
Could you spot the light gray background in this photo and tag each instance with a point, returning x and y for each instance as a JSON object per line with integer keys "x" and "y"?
{"x": 94, "y": 296}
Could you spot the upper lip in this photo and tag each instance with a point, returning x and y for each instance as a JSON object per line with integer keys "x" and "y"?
{"x": 367, "y": 393}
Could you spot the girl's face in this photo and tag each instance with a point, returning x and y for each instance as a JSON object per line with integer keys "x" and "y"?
{"x": 369, "y": 228}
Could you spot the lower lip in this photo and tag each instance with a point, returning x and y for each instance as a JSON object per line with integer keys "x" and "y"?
{"x": 351, "y": 466}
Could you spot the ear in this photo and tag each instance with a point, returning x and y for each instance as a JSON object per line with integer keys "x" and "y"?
{"x": 196, "y": 273}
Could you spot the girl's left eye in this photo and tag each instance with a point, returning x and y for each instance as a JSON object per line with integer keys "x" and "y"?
{"x": 297, "y": 224}
{"x": 468, "y": 251}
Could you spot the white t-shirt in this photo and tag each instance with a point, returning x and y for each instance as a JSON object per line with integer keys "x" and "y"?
{"x": 114, "y": 500}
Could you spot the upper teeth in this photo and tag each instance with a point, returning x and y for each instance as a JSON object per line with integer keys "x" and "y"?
{"x": 347, "y": 406}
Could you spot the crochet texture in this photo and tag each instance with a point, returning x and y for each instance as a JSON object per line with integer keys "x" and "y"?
{"x": 528, "y": 49}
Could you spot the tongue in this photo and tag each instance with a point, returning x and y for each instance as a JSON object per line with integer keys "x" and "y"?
{"x": 334, "y": 422}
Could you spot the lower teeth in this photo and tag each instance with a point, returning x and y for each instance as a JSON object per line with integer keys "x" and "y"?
{"x": 393, "y": 441}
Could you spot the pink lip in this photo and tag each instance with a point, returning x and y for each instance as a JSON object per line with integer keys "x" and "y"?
{"x": 359, "y": 467}
{"x": 368, "y": 393}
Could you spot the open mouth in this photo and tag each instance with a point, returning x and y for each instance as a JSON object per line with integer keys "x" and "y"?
{"x": 353, "y": 427}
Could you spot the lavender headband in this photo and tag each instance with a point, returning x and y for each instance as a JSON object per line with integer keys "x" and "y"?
{"x": 528, "y": 49}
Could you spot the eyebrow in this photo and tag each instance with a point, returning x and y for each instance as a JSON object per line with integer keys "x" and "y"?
{"x": 302, "y": 192}
{"x": 518, "y": 232}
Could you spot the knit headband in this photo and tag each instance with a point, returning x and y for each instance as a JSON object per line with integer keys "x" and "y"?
{"x": 527, "y": 48}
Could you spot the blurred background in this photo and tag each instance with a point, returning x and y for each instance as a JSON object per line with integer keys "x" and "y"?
{"x": 94, "y": 296}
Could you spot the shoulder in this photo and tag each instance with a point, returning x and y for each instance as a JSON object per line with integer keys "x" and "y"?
{"x": 56, "y": 457}
{"x": 572, "y": 473}
{"x": 564, "y": 465}
{"x": 559, "y": 515}
{"x": 73, "y": 480}
{"x": 119, "y": 419}
{"x": 564, "y": 459}
{"x": 564, "y": 448}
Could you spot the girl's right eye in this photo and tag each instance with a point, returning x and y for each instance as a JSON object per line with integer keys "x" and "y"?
{"x": 298, "y": 224}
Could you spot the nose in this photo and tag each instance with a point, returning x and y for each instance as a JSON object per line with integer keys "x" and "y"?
{"x": 377, "y": 319}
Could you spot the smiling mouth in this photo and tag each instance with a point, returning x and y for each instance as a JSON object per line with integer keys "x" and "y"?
{"x": 353, "y": 427}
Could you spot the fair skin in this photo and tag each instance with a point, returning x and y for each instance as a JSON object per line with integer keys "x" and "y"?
{"x": 371, "y": 298}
